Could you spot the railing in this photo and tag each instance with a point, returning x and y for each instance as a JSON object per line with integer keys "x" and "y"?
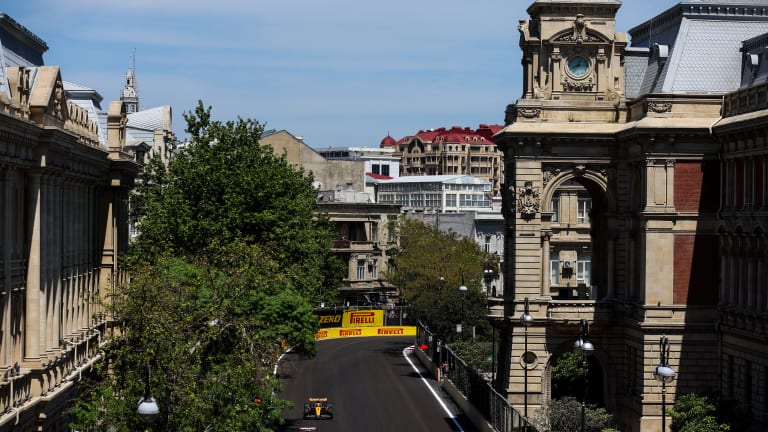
{"x": 474, "y": 385}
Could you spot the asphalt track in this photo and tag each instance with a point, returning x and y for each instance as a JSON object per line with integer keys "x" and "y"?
{"x": 373, "y": 387}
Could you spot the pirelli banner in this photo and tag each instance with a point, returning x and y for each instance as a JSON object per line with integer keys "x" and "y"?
{"x": 363, "y": 318}
{"x": 335, "y": 333}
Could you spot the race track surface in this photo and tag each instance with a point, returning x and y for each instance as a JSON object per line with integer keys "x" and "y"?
{"x": 373, "y": 387}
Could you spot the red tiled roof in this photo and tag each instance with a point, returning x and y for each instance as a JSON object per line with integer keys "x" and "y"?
{"x": 378, "y": 176}
{"x": 456, "y": 134}
{"x": 387, "y": 141}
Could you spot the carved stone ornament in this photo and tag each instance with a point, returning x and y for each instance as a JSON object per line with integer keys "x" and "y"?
{"x": 569, "y": 85}
{"x": 528, "y": 201}
{"x": 549, "y": 174}
{"x": 579, "y": 170}
{"x": 660, "y": 107}
{"x": 529, "y": 112}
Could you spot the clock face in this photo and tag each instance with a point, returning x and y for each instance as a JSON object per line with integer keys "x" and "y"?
{"x": 578, "y": 66}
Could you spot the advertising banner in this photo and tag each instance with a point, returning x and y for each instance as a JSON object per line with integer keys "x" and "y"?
{"x": 330, "y": 318}
{"x": 334, "y": 333}
{"x": 363, "y": 318}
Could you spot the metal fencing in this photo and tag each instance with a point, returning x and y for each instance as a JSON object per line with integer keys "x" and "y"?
{"x": 474, "y": 385}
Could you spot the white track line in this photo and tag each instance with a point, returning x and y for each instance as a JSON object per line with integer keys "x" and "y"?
{"x": 437, "y": 397}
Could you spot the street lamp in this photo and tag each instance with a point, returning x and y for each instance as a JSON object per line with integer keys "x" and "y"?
{"x": 463, "y": 290}
{"x": 526, "y": 320}
{"x": 664, "y": 374}
{"x": 586, "y": 348}
{"x": 148, "y": 408}
{"x": 488, "y": 276}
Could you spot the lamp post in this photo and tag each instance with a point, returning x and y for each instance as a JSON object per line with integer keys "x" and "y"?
{"x": 148, "y": 409}
{"x": 526, "y": 320}
{"x": 488, "y": 276}
{"x": 463, "y": 290}
{"x": 586, "y": 348}
{"x": 664, "y": 374}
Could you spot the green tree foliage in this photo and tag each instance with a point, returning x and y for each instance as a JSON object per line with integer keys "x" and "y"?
{"x": 568, "y": 375}
{"x": 226, "y": 187}
{"x": 429, "y": 269}
{"x": 229, "y": 260}
{"x": 693, "y": 412}
{"x": 564, "y": 415}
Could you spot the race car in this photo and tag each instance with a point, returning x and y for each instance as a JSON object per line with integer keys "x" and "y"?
{"x": 318, "y": 408}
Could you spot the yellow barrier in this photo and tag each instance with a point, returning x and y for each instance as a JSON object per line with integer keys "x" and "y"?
{"x": 344, "y": 332}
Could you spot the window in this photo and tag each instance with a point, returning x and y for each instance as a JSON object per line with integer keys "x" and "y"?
{"x": 385, "y": 170}
{"x": 585, "y": 206}
{"x": 391, "y": 227}
{"x": 487, "y": 245}
{"x": 417, "y": 200}
{"x": 554, "y": 269}
{"x": 749, "y": 183}
{"x": 361, "y": 269}
{"x": 475, "y": 200}
{"x": 583, "y": 264}
{"x": 374, "y": 232}
{"x": 375, "y": 168}
{"x": 450, "y": 200}
{"x": 555, "y": 206}
{"x": 433, "y": 200}
{"x": 374, "y": 269}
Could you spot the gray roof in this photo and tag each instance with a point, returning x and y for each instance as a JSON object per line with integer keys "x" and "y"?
{"x": 90, "y": 100}
{"x": 142, "y": 125}
{"x": 446, "y": 179}
{"x": 704, "y": 39}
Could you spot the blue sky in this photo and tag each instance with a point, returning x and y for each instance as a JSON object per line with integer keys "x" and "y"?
{"x": 337, "y": 72}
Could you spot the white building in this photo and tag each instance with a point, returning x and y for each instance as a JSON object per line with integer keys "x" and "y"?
{"x": 440, "y": 193}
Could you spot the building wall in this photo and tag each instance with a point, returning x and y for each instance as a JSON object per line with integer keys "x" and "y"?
{"x": 743, "y": 252}
{"x": 366, "y": 235}
{"x": 328, "y": 174}
{"x": 62, "y": 228}
{"x": 650, "y": 168}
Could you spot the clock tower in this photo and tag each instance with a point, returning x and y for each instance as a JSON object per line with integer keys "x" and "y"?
{"x": 572, "y": 63}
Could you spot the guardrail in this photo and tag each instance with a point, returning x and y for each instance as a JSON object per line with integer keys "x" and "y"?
{"x": 473, "y": 385}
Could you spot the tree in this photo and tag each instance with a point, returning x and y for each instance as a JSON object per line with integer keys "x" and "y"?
{"x": 568, "y": 375}
{"x": 428, "y": 270}
{"x": 230, "y": 257}
{"x": 695, "y": 412}
{"x": 564, "y": 415}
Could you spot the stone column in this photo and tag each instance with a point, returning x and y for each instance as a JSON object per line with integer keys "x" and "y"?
{"x": 34, "y": 316}
{"x": 546, "y": 283}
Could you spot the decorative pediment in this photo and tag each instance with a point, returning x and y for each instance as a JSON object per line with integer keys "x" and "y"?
{"x": 588, "y": 37}
{"x": 579, "y": 33}
{"x": 47, "y": 101}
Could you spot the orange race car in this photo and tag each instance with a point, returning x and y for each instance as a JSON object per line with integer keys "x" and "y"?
{"x": 318, "y": 409}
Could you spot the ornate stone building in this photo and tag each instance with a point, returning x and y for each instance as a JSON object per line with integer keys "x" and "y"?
{"x": 454, "y": 151}
{"x": 62, "y": 228}
{"x": 634, "y": 202}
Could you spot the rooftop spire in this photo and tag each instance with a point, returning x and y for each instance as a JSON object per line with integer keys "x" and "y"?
{"x": 130, "y": 93}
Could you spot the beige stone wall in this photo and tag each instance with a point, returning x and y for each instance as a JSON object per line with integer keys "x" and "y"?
{"x": 62, "y": 229}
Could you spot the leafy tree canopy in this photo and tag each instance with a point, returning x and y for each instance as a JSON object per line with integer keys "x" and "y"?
{"x": 230, "y": 257}
{"x": 564, "y": 415}
{"x": 430, "y": 267}
{"x": 226, "y": 186}
{"x": 696, "y": 412}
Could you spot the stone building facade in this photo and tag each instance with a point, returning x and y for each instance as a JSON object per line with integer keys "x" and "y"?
{"x": 63, "y": 226}
{"x": 634, "y": 202}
